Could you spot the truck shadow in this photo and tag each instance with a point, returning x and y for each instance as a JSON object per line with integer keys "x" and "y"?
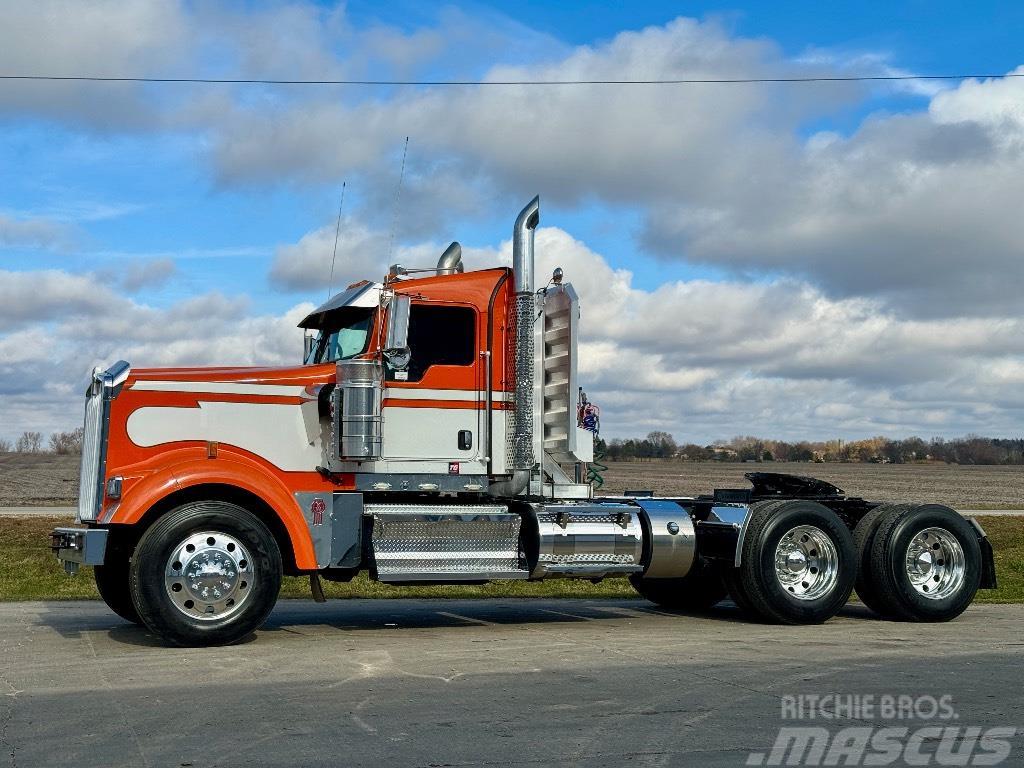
{"x": 304, "y": 618}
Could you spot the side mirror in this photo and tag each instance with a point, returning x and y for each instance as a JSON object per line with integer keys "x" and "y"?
{"x": 308, "y": 345}
{"x": 396, "y": 339}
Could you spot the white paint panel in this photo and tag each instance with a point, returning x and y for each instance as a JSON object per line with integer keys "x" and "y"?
{"x": 278, "y": 433}
{"x": 219, "y": 387}
{"x": 428, "y": 433}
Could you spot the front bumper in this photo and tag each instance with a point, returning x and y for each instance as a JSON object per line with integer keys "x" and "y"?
{"x": 79, "y": 546}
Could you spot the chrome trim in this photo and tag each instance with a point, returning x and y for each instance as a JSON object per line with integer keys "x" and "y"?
{"x": 357, "y": 410}
{"x": 364, "y": 295}
{"x": 935, "y": 564}
{"x": 807, "y": 563}
{"x": 735, "y": 515}
{"x": 450, "y": 262}
{"x": 673, "y": 539}
{"x": 445, "y": 542}
{"x": 485, "y": 441}
{"x": 515, "y": 484}
{"x": 587, "y": 540}
{"x": 521, "y": 452}
{"x": 103, "y": 389}
{"x": 209, "y": 575}
{"x": 411, "y": 482}
{"x": 522, "y": 246}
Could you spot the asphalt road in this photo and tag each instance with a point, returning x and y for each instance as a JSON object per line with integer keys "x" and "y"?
{"x": 474, "y": 683}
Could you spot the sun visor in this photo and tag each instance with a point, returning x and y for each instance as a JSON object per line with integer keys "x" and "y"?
{"x": 361, "y": 295}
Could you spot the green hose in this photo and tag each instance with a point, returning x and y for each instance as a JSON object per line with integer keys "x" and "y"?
{"x": 595, "y": 468}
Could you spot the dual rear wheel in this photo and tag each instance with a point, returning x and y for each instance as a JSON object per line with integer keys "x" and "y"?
{"x": 917, "y": 562}
{"x": 799, "y": 563}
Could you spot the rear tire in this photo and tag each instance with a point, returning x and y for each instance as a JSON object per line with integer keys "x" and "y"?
{"x": 112, "y": 582}
{"x": 697, "y": 591}
{"x": 926, "y": 564}
{"x": 206, "y": 573}
{"x": 863, "y": 538}
{"x": 798, "y": 563}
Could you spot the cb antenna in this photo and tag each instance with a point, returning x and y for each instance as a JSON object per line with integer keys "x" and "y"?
{"x": 398, "y": 196}
{"x": 337, "y": 231}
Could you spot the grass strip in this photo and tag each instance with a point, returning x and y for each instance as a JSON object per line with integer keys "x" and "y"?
{"x": 29, "y": 571}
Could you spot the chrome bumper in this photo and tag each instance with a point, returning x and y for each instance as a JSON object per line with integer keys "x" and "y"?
{"x": 79, "y": 546}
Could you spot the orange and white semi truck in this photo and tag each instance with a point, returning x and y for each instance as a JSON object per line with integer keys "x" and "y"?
{"x": 433, "y": 434}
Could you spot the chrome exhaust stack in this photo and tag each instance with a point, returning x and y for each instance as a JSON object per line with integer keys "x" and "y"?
{"x": 450, "y": 262}
{"x": 521, "y": 445}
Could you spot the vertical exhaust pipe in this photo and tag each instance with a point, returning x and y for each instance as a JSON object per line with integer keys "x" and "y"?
{"x": 521, "y": 448}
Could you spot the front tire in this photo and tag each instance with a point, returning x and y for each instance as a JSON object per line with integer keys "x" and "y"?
{"x": 206, "y": 573}
{"x": 798, "y": 563}
{"x": 112, "y": 582}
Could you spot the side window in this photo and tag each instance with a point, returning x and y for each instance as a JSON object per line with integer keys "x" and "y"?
{"x": 440, "y": 335}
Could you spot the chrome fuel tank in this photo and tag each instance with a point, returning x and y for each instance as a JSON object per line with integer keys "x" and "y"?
{"x": 587, "y": 540}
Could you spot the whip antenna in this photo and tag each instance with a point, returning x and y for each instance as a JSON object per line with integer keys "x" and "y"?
{"x": 398, "y": 196}
{"x": 337, "y": 231}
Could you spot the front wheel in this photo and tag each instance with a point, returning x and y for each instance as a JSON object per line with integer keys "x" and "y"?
{"x": 207, "y": 573}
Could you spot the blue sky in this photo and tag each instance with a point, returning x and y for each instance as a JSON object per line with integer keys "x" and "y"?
{"x": 708, "y": 200}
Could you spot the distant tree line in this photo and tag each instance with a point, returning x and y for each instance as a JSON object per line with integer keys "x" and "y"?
{"x": 60, "y": 443}
{"x": 972, "y": 449}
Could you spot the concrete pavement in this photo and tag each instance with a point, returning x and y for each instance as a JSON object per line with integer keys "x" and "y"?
{"x": 471, "y": 683}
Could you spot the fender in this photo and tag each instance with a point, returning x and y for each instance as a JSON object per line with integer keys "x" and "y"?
{"x": 233, "y": 470}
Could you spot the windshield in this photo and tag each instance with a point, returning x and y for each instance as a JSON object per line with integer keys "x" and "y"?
{"x": 349, "y": 338}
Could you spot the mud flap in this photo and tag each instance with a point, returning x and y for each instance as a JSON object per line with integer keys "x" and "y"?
{"x": 988, "y": 561}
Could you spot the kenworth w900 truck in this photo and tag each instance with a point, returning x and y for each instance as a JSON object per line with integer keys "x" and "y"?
{"x": 434, "y": 434}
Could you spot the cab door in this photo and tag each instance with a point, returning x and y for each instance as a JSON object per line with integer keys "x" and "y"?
{"x": 432, "y": 409}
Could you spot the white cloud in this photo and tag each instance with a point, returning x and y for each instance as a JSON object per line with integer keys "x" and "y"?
{"x": 147, "y": 273}
{"x": 873, "y": 274}
{"x": 47, "y": 348}
{"x": 697, "y": 358}
{"x": 33, "y": 232}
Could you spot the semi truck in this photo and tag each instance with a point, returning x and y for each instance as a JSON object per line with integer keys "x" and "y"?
{"x": 435, "y": 433}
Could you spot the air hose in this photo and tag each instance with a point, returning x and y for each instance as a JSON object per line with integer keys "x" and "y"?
{"x": 589, "y": 418}
{"x": 595, "y": 468}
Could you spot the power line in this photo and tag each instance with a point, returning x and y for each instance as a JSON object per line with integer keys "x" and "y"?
{"x": 467, "y": 83}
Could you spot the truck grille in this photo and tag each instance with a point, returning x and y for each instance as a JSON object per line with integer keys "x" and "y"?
{"x": 103, "y": 388}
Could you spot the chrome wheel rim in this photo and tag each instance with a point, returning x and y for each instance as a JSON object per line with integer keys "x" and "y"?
{"x": 935, "y": 564}
{"x": 807, "y": 562}
{"x": 209, "y": 575}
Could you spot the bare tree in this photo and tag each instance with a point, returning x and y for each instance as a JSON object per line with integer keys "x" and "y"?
{"x": 5, "y": 446}
{"x": 30, "y": 442}
{"x": 65, "y": 443}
